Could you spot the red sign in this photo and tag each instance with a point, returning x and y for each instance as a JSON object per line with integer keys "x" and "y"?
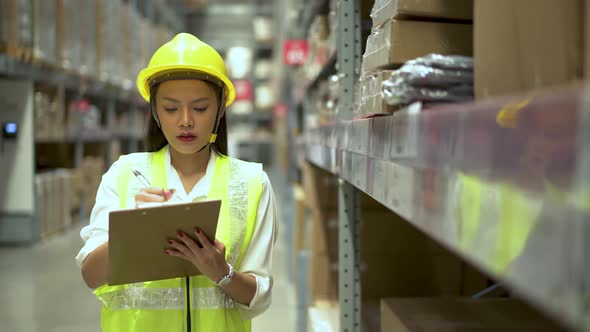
{"x": 244, "y": 90}
{"x": 281, "y": 110}
{"x": 295, "y": 51}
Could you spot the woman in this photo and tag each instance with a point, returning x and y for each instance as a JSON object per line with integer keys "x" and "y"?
{"x": 188, "y": 91}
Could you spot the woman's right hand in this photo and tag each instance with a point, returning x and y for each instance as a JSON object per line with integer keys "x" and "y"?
{"x": 153, "y": 195}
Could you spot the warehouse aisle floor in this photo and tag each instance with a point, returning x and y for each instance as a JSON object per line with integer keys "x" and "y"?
{"x": 44, "y": 292}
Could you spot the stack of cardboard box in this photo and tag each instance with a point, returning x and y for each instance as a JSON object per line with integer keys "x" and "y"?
{"x": 396, "y": 259}
{"x": 465, "y": 315}
{"x": 517, "y": 51}
{"x": 407, "y": 29}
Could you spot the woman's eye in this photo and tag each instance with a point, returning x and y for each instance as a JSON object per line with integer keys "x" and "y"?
{"x": 170, "y": 109}
{"x": 202, "y": 109}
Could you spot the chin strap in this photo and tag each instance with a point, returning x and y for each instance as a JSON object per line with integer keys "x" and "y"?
{"x": 213, "y": 136}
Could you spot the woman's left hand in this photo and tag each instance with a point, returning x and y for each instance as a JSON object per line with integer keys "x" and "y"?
{"x": 207, "y": 257}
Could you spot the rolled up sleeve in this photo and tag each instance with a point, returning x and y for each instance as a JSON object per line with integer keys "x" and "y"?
{"x": 257, "y": 260}
{"x": 96, "y": 232}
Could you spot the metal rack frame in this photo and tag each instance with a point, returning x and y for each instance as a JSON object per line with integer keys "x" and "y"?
{"x": 394, "y": 160}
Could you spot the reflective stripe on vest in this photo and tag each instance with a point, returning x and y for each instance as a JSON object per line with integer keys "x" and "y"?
{"x": 166, "y": 299}
{"x": 144, "y": 306}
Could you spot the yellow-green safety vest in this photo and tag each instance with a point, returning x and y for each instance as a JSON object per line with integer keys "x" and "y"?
{"x": 160, "y": 306}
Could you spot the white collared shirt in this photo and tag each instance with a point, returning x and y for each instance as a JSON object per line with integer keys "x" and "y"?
{"x": 257, "y": 260}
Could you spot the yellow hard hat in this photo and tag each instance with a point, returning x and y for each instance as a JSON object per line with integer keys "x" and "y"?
{"x": 185, "y": 53}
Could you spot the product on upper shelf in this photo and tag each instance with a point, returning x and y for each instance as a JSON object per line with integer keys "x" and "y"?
{"x": 431, "y": 79}
{"x": 371, "y": 101}
{"x": 384, "y": 10}
{"x": 399, "y": 41}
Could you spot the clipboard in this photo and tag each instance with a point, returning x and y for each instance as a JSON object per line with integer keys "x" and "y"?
{"x": 138, "y": 238}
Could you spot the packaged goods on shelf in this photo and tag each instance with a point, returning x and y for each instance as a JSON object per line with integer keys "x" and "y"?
{"x": 399, "y": 41}
{"x": 384, "y": 10}
{"x": 49, "y": 116}
{"x": 520, "y": 52}
{"x": 263, "y": 29}
{"x": 263, "y": 69}
{"x": 83, "y": 118}
{"x": 68, "y": 34}
{"x": 466, "y": 315}
{"x": 431, "y": 79}
{"x": 318, "y": 47}
{"x": 371, "y": 99}
{"x": 45, "y": 32}
{"x": 332, "y": 99}
{"x": 265, "y": 98}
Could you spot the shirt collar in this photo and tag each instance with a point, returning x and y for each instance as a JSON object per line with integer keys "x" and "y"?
{"x": 201, "y": 189}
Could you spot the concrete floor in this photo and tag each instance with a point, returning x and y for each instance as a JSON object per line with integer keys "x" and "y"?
{"x": 43, "y": 290}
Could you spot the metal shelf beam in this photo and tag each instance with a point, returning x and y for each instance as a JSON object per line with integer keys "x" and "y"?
{"x": 486, "y": 181}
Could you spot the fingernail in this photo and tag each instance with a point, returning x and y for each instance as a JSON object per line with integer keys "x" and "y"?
{"x": 198, "y": 230}
{"x": 173, "y": 190}
{"x": 170, "y": 242}
{"x": 180, "y": 233}
{"x": 167, "y": 252}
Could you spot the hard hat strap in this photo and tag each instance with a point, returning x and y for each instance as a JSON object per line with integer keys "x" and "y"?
{"x": 213, "y": 136}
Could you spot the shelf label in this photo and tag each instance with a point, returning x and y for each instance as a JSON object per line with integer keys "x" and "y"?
{"x": 295, "y": 51}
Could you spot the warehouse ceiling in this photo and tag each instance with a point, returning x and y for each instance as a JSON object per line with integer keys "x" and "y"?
{"x": 223, "y": 23}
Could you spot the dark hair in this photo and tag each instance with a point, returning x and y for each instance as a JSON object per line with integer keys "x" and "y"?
{"x": 155, "y": 139}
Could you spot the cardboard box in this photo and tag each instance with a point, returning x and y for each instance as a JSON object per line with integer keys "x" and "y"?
{"x": 412, "y": 9}
{"x": 321, "y": 190}
{"x": 382, "y": 232}
{"x": 461, "y": 315}
{"x": 323, "y": 278}
{"x": 517, "y": 51}
{"x": 399, "y": 41}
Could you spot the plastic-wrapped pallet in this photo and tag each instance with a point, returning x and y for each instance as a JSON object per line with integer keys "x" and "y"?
{"x": 45, "y": 32}
{"x": 68, "y": 34}
{"x": 17, "y": 21}
{"x": 88, "y": 34}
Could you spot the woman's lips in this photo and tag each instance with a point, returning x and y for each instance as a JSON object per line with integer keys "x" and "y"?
{"x": 186, "y": 137}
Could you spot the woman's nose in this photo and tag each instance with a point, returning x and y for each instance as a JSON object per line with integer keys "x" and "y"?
{"x": 185, "y": 118}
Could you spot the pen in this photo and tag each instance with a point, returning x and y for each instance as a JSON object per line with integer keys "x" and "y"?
{"x": 145, "y": 181}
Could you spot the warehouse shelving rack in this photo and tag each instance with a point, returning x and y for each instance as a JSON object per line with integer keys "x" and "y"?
{"x": 432, "y": 166}
{"x": 115, "y": 100}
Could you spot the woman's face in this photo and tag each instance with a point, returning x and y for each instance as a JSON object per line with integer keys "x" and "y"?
{"x": 187, "y": 110}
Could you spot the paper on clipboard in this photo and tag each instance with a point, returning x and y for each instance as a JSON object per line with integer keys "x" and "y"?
{"x": 138, "y": 237}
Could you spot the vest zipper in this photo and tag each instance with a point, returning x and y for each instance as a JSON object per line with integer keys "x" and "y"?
{"x": 188, "y": 305}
